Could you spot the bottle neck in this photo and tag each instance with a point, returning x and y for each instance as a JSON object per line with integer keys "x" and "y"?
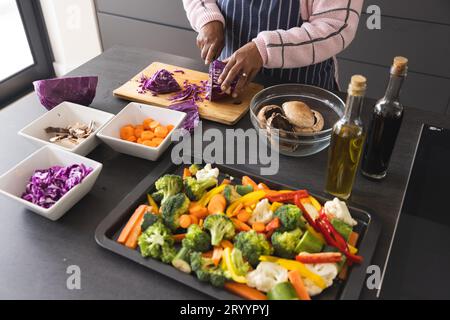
{"x": 353, "y": 108}
{"x": 394, "y": 87}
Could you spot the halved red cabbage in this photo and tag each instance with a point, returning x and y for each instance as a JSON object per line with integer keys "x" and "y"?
{"x": 192, "y": 116}
{"x": 214, "y": 90}
{"x": 161, "y": 82}
{"x": 47, "y": 186}
{"x": 52, "y": 92}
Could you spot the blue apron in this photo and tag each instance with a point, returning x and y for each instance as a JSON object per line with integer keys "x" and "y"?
{"x": 244, "y": 19}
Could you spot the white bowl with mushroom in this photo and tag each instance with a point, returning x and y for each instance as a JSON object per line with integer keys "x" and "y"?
{"x": 296, "y": 119}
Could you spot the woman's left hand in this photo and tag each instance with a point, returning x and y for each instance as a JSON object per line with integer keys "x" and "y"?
{"x": 245, "y": 63}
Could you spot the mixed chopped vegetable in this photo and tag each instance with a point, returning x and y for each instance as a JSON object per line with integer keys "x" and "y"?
{"x": 255, "y": 242}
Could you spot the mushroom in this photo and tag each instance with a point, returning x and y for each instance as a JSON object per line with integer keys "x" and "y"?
{"x": 266, "y": 112}
{"x": 286, "y": 130}
{"x": 299, "y": 114}
{"x": 319, "y": 123}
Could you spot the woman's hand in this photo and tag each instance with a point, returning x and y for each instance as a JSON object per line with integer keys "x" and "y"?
{"x": 210, "y": 40}
{"x": 246, "y": 63}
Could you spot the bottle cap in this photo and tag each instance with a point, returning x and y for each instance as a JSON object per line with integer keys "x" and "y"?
{"x": 358, "y": 85}
{"x": 399, "y": 66}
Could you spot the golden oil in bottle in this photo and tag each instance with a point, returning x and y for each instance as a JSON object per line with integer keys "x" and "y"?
{"x": 347, "y": 141}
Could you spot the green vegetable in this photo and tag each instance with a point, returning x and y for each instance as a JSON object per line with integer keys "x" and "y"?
{"x": 241, "y": 267}
{"x": 230, "y": 194}
{"x": 342, "y": 228}
{"x": 169, "y": 185}
{"x": 156, "y": 242}
{"x": 195, "y": 189}
{"x": 282, "y": 291}
{"x": 182, "y": 259}
{"x": 206, "y": 271}
{"x": 196, "y": 239}
{"x": 285, "y": 243}
{"x": 309, "y": 243}
{"x": 149, "y": 220}
{"x": 173, "y": 208}
{"x": 158, "y": 196}
{"x": 220, "y": 227}
{"x": 243, "y": 190}
{"x": 291, "y": 217}
{"x": 253, "y": 245}
{"x": 194, "y": 168}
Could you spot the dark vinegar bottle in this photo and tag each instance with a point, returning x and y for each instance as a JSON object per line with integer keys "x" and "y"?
{"x": 386, "y": 120}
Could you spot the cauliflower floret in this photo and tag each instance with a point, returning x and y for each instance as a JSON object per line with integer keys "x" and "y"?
{"x": 328, "y": 271}
{"x": 261, "y": 213}
{"x": 266, "y": 276}
{"x": 207, "y": 172}
{"x": 338, "y": 209}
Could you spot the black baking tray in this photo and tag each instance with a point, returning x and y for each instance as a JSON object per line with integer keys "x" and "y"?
{"x": 109, "y": 229}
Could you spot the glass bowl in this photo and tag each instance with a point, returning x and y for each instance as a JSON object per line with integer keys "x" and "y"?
{"x": 298, "y": 144}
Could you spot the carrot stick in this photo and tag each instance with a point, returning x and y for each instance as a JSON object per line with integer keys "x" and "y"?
{"x": 179, "y": 237}
{"x": 227, "y": 244}
{"x": 226, "y": 181}
{"x": 134, "y": 221}
{"x": 132, "y": 240}
{"x": 239, "y": 207}
{"x": 322, "y": 257}
{"x": 273, "y": 225}
{"x": 299, "y": 286}
{"x": 217, "y": 204}
{"x": 185, "y": 221}
{"x": 186, "y": 173}
{"x": 244, "y": 291}
{"x": 263, "y": 186}
{"x": 198, "y": 210}
{"x": 259, "y": 227}
{"x": 217, "y": 255}
{"x": 194, "y": 219}
{"x": 244, "y": 216}
{"x": 246, "y": 180}
{"x": 241, "y": 226}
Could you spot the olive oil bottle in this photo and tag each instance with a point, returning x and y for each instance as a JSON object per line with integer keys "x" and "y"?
{"x": 347, "y": 141}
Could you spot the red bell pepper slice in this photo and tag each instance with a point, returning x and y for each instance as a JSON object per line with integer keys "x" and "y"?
{"x": 288, "y": 196}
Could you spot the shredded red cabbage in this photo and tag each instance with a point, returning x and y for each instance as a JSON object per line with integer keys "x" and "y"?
{"x": 161, "y": 82}
{"x": 214, "y": 90}
{"x": 192, "y": 116}
{"x": 190, "y": 91}
{"x": 52, "y": 92}
{"x": 47, "y": 186}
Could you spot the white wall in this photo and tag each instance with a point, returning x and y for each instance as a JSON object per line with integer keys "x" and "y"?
{"x": 73, "y": 32}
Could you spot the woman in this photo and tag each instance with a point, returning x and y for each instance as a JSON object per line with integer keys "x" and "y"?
{"x": 296, "y": 40}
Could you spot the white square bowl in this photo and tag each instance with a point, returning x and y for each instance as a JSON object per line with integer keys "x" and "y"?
{"x": 13, "y": 183}
{"x": 136, "y": 113}
{"x": 65, "y": 114}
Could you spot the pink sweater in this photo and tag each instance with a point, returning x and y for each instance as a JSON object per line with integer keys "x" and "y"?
{"x": 329, "y": 27}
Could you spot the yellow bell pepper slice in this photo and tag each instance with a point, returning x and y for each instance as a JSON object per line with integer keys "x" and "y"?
{"x": 352, "y": 249}
{"x": 315, "y": 203}
{"x": 152, "y": 203}
{"x": 300, "y": 267}
{"x": 226, "y": 256}
{"x": 211, "y": 193}
{"x": 275, "y": 206}
{"x": 250, "y": 197}
{"x": 316, "y": 234}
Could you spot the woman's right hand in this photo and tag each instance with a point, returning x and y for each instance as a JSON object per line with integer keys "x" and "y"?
{"x": 210, "y": 40}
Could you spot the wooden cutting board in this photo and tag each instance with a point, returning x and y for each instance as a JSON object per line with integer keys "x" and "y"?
{"x": 227, "y": 111}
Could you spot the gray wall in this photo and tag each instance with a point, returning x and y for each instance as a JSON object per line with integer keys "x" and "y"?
{"x": 417, "y": 29}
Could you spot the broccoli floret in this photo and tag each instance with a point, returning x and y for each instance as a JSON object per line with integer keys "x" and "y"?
{"x": 156, "y": 242}
{"x": 291, "y": 217}
{"x": 170, "y": 185}
{"x": 220, "y": 227}
{"x": 158, "y": 196}
{"x": 286, "y": 242}
{"x": 194, "y": 168}
{"x": 253, "y": 245}
{"x": 182, "y": 260}
{"x": 173, "y": 208}
{"x": 196, "y": 239}
{"x": 242, "y": 267}
{"x": 206, "y": 271}
{"x": 148, "y": 220}
{"x": 195, "y": 189}
{"x": 230, "y": 194}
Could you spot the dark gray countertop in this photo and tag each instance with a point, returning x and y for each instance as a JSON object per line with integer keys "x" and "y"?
{"x": 35, "y": 252}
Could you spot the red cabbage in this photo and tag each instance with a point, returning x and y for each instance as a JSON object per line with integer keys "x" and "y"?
{"x": 192, "y": 116}
{"x": 190, "y": 91}
{"x": 161, "y": 82}
{"x": 214, "y": 88}
{"x": 47, "y": 186}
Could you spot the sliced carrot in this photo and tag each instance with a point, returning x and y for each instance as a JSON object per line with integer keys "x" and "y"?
{"x": 147, "y": 135}
{"x": 241, "y": 226}
{"x": 259, "y": 227}
{"x": 131, "y": 139}
{"x": 217, "y": 204}
{"x": 227, "y": 244}
{"x": 135, "y": 220}
{"x": 126, "y": 131}
{"x": 217, "y": 255}
{"x": 244, "y": 291}
{"x": 226, "y": 181}
{"x": 273, "y": 225}
{"x": 170, "y": 127}
{"x": 194, "y": 219}
{"x": 299, "y": 286}
{"x": 185, "y": 221}
{"x": 199, "y": 211}
{"x": 138, "y": 130}
{"x": 161, "y": 131}
{"x": 179, "y": 237}
{"x": 157, "y": 140}
{"x": 238, "y": 209}
{"x": 146, "y": 123}
{"x": 186, "y": 173}
{"x": 246, "y": 180}
{"x": 139, "y": 140}
{"x": 244, "y": 216}
{"x": 149, "y": 143}
{"x": 153, "y": 125}
{"x": 132, "y": 240}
